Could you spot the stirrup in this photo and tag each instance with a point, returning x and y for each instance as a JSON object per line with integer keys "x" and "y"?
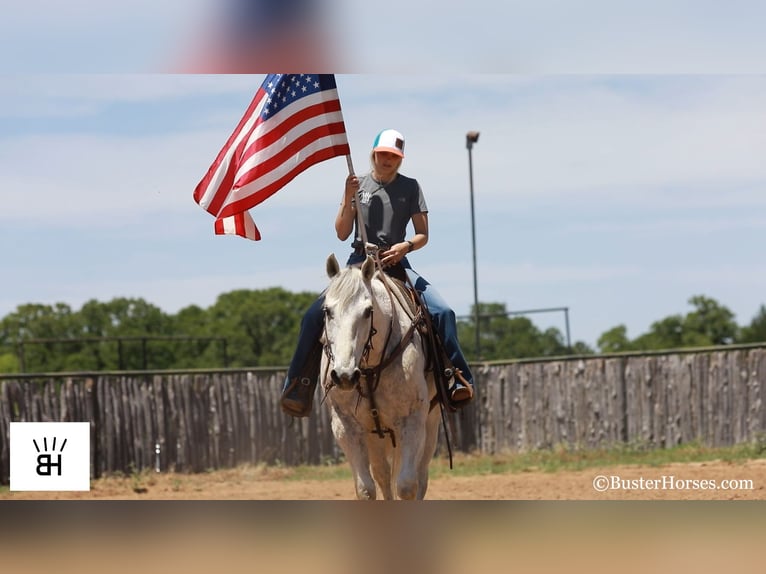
{"x": 461, "y": 396}
{"x": 461, "y": 392}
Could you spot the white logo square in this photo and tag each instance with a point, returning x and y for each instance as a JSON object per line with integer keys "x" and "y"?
{"x": 50, "y": 456}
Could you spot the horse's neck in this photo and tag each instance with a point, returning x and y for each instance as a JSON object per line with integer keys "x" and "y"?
{"x": 389, "y": 316}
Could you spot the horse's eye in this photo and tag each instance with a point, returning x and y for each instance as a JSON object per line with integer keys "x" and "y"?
{"x": 327, "y": 312}
{"x": 367, "y": 312}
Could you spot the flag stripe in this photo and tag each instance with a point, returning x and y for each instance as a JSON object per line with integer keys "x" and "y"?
{"x": 269, "y": 190}
{"x": 293, "y": 122}
{"x": 319, "y": 110}
{"x": 259, "y": 155}
{"x": 223, "y": 167}
{"x": 272, "y": 168}
{"x": 240, "y": 224}
{"x": 266, "y": 152}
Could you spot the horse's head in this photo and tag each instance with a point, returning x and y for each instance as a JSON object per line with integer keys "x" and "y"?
{"x": 348, "y": 320}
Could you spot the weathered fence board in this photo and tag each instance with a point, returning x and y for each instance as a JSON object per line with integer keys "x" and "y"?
{"x": 213, "y": 419}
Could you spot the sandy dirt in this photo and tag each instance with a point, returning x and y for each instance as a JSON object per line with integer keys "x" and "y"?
{"x": 688, "y": 481}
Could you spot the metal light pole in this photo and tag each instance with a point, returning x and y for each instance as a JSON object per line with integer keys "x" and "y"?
{"x": 470, "y": 139}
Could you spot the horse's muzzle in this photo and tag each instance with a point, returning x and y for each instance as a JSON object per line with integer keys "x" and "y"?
{"x": 344, "y": 380}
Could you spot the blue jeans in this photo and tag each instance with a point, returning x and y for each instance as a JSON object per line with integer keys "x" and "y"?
{"x": 311, "y": 331}
{"x": 442, "y": 317}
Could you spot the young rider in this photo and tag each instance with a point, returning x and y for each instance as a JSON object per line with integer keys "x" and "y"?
{"x": 388, "y": 201}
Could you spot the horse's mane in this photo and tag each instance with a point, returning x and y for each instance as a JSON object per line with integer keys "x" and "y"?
{"x": 345, "y": 285}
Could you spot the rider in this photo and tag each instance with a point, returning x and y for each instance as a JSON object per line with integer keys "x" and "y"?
{"x": 388, "y": 201}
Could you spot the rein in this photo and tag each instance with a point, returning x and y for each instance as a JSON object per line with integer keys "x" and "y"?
{"x": 441, "y": 392}
{"x": 371, "y": 374}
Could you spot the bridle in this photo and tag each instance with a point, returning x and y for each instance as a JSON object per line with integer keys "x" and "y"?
{"x": 370, "y": 374}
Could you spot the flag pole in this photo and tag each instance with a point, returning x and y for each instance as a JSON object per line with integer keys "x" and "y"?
{"x": 359, "y": 222}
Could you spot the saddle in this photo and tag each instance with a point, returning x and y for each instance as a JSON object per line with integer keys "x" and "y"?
{"x": 437, "y": 360}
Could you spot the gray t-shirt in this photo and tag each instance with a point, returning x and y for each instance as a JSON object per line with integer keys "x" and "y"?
{"x": 388, "y": 209}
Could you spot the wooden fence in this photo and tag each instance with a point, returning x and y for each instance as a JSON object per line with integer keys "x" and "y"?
{"x": 194, "y": 421}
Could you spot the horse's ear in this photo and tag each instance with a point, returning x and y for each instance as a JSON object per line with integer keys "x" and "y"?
{"x": 332, "y": 266}
{"x": 368, "y": 268}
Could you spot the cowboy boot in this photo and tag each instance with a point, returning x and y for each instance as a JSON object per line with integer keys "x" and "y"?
{"x": 298, "y": 393}
{"x": 298, "y": 396}
{"x": 461, "y": 392}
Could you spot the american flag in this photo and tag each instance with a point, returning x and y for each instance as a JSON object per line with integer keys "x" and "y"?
{"x": 293, "y": 122}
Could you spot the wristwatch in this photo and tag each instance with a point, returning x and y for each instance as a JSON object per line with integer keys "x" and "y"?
{"x": 411, "y": 244}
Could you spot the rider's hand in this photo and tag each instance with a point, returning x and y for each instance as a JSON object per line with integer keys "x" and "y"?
{"x": 352, "y": 186}
{"x": 395, "y": 254}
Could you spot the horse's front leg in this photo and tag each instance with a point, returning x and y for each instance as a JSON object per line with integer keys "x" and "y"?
{"x": 411, "y": 445}
{"x": 432, "y": 436}
{"x": 380, "y": 463}
{"x": 353, "y": 444}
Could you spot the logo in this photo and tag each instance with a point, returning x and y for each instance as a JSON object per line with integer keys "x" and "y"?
{"x": 44, "y": 463}
{"x": 50, "y": 456}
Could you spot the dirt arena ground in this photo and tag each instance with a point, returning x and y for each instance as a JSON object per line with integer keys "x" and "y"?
{"x": 704, "y": 538}
{"x": 715, "y": 480}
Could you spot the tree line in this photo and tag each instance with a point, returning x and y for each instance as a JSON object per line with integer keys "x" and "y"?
{"x": 249, "y": 328}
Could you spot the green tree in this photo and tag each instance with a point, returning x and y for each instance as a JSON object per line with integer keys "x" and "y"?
{"x": 9, "y": 363}
{"x": 96, "y": 355}
{"x": 503, "y": 337}
{"x": 38, "y": 321}
{"x": 194, "y": 321}
{"x": 132, "y": 319}
{"x": 667, "y": 333}
{"x": 581, "y": 348}
{"x": 615, "y": 340}
{"x": 755, "y": 332}
{"x": 261, "y": 326}
{"x": 709, "y": 324}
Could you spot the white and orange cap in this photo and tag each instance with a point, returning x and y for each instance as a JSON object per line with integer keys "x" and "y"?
{"x": 391, "y": 141}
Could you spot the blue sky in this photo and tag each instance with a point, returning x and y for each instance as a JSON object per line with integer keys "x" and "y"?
{"x": 619, "y": 169}
{"x": 616, "y": 196}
